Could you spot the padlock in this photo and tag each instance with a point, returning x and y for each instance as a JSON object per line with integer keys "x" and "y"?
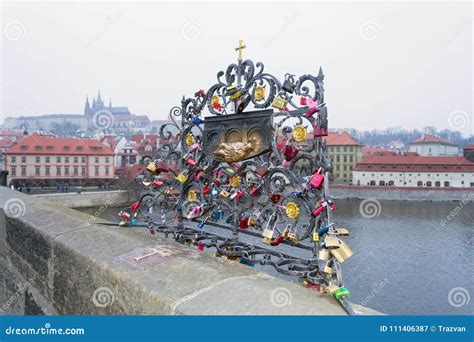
{"x": 290, "y": 153}
{"x": 234, "y": 181}
{"x": 135, "y": 206}
{"x": 324, "y": 254}
{"x": 281, "y": 144}
{"x": 191, "y": 161}
{"x": 194, "y": 212}
{"x": 200, "y": 93}
{"x": 342, "y": 232}
{"x": 323, "y": 230}
{"x": 244, "y": 223}
{"x": 327, "y": 269}
{"x": 229, "y": 171}
{"x": 267, "y": 236}
{"x": 182, "y": 177}
{"x": 342, "y": 253}
{"x": 233, "y": 92}
{"x": 276, "y": 241}
{"x": 303, "y": 101}
{"x": 252, "y": 220}
{"x": 242, "y": 104}
{"x": 315, "y": 236}
{"x": 317, "y": 179}
{"x": 291, "y": 236}
{"x": 331, "y": 242}
{"x": 275, "y": 198}
{"x": 203, "y": 222}
{"x": 224, "y": 194}
{"x": 279, "y": 102}
{"x": 124, "y": 215}
{"x": 236, "y": 194}
{"x": 218, "y": 215}
{"x": 259, "y": 93}
{"x": 341, "y": 293}
{"x": 197, "y": 120}
{"x": 157, "y": 183}
{"x": 289, "y": 83}
{"x": 319, "y": 131}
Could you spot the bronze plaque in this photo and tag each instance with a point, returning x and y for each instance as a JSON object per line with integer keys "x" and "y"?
{"x": 237, "y": 137}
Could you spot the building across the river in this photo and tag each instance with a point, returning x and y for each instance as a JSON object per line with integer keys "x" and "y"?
{"x": 40, "y": 160}
{"x": 345, "y": 151}
{"x": 429, "y": 145}
{"x": 412, "y": 170}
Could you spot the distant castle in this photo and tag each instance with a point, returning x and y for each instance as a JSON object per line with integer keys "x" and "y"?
{"x": 119, "y": 120}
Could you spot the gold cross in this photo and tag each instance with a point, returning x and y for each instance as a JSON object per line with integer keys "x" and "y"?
{"x": 240, "y": 48}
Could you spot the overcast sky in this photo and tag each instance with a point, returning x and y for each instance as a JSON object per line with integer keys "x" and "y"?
{"x": 389, "y": 64}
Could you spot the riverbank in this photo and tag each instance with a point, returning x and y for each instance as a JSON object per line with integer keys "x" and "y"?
{"x": 402, "y": 194}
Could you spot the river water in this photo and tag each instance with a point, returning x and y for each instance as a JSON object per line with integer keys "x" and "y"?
{"x": 410, "y": 258}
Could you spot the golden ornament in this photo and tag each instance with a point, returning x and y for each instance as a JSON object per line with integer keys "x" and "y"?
{"x": 299, "y": 133}
{"x": 292, "y": 210}
{"x": 259, "y": 93}
{"x": 234, "y": 181}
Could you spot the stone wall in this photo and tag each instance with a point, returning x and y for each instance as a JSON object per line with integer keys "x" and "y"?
{"x": 400, "y": 194}
{"x": 91, "y": 199}
{"x": 56, "y": 260}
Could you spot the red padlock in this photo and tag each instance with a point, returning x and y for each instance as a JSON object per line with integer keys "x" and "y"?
{"x": 303, "y": 101}
{"x": 244, "y": 223}
{"x": 290, "y": 153}
{"x": 253, "y": 191}
{"x": 320, "y": 132}
{"x": 317, "y": 179}
{"x": 275, "y": 198}
{"x": 280, "y": 144}
{"x": 191, "y": 161}
{"x": 135, "y": 206}
{"x": 200, "y": 247}
{"x": 157, "y": 183}
{"x": 276, "y": 241}
{"x": 206, "y": 190}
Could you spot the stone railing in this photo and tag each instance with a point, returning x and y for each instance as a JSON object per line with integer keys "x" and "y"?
{"x": 56, "y": 260}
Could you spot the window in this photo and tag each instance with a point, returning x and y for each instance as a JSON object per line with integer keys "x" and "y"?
{"x": 372, "y": 182}
{"x": 37, "y": 170}
{"x": 23, "y": 159}
{"x": 83, "y": 159}
{"x": 337, "y": 159}
{"x": 338, "y": 149}
{"x": 83, "y": 170}
{"x": 438, "y": 184}
{"x": 66, "y": 159}
{"x": 37, "y": 159}
{"x": 13, "y": 159}
{"x": 344, "y": 159}
{"x": 419, "y": 183}
{"x": 345, "y": 148}
{"x": 47, "y": 170}
{"x": 350, "y": 149}
{"x": 66, "y": 170}
{"x": 382, "y": 183}
{"x": 76, "y": 160}
{"x": 107, "y": 160}
{"x": 23, "y": 170}
{"x": 96, "y": 159}
{"x": 428, "y": 183}
{"x": 58, "y": 170}
{"x": 13, "y": 170}
{"x": 446, "y": 184}
{"x": 58, "y": 159}
{"x": 391, "y": 183}
{"x": 96, "y": 171}
{"x": 344, "y": 176}
{"x": 76, "y": 172}
{"x": 107, "y": 170}
{"x": 351, "y": 159}
{"x": 47, "y": 159}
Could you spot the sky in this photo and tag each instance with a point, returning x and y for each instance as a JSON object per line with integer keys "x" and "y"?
{"x": 385, "y": 64}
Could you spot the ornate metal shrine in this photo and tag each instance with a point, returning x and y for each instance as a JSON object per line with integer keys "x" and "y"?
{"x": 248, "y": 155}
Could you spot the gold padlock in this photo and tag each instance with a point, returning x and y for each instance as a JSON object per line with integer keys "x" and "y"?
{"x": 342, "y": 232}
{"x": 342, "y": 253}
{"x": 328, "y": 269}
{"x": 331, "y": 242}
{"x": 315, "y": 236}
{"x": 267, "y": 236}
{"x": 224, "y": 194}
{"x": 332, "y": 288}
{"x": 324, "y": 254}
{"x": 292, "y": 237}
{"x": 279, "y": 102}
{"x": 182, "y": 178}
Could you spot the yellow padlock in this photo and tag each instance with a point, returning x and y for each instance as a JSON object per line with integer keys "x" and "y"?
{"x": 331, "y": 242}
{"x": 182, "y": 178}
{"x": 342, "y": 253}
{"x": 328, "y": 269}
{"x": 315, "y": 236}
{"x": 342, "y": 232}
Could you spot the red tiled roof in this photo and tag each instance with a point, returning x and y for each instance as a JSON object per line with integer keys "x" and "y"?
{"x": 369, "y": 150}
{"x": 40, "y": 144}
{"x": 411, "y": 162}
{"x": 340, "y": 138}
{"x": 6, "y": 142}
{"x": 469, "y": 147}
{"x": 430, "y": 139}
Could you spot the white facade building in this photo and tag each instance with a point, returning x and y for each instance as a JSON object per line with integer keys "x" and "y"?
{"x": 429, "y": 145}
